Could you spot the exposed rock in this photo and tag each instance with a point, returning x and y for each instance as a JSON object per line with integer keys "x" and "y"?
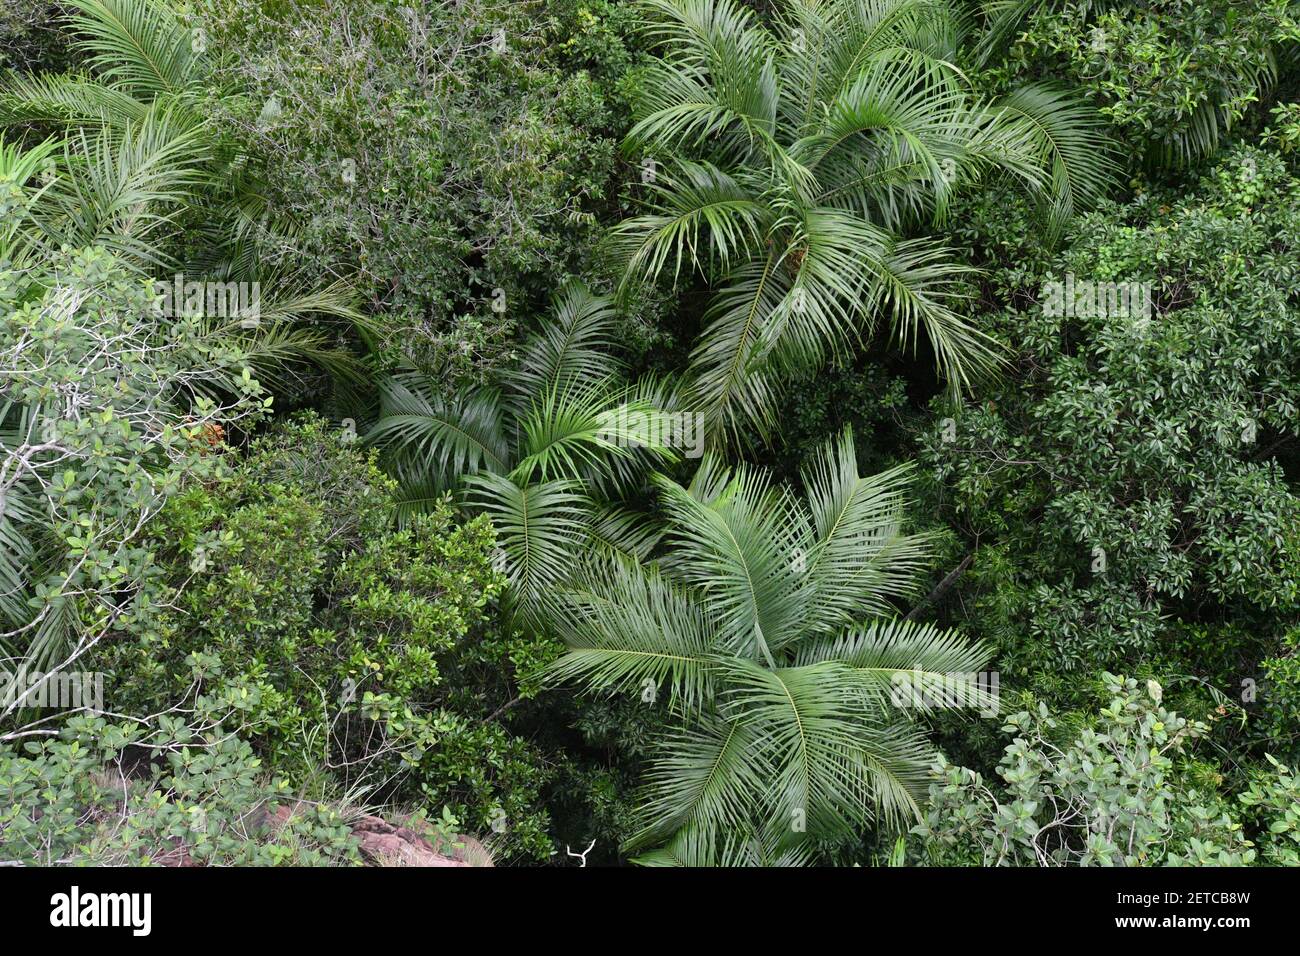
{"x": 389, "y": 844}
{"x": 382, "y": 843}
{"x": 385, "y": 844}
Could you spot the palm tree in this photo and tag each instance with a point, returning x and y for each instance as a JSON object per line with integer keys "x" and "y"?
{"x": 789, "y": 165}
{"x": 137, "y": 152}
{"x": 767, "y": 619}
{"x": 546, "y": 450}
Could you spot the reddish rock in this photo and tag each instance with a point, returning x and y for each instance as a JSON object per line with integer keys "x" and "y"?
{"x": 388, "y": 845}
{"x": 382, "y": 844}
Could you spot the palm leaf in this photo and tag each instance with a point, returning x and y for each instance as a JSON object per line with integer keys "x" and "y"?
{"x": 574, "y": 345}
{"x": 860, "y": 559}
{"x": 139, "y": 46}
{"x": 628, "y": 629}
{"x": 742, "y": 551}
{"x": 541, "y": 527}
{"x": 426, "y": 434}
{"x": 1060, "y": 133}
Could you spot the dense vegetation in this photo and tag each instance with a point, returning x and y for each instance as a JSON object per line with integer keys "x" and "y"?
{"x": 696, "y": 432}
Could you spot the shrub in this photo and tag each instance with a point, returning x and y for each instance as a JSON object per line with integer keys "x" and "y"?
{"x": 1131, "y": 485}
{"x": 340, "y": 646}
{"x": 458, "y": 156}
{"x": 1120, "y": 791}
{"x": 113, "y": 794}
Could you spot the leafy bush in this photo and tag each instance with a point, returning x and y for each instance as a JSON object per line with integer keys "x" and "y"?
{"x": 339, "y": 646}
{"x": 1132, "y": 482}
{"x": 27, "y": 37}
{"x": 1173, "y": 75}
{"x": 1120, "y": 791}
{"x": 459, "y": 157}
{"x": 108, "y": 794}
{"x": 103, "y": 415}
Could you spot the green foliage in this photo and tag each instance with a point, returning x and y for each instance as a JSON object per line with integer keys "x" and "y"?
{"x": 1134, "y": 480}
{"x": 1120, "y": 791}
{"x": 545, "y": 450}
{"x": 103, "y": 415}
{"x": 457, "y": 157}
{"x": 766, "y": 622}
{"x": 142, "y": 173}
{"x": 1173, "y": 75}
{"x": 28, "y": 39}
{"x": 106, "y": 794}
{"x": 791, "y": 166}
{"x": 398, "y": 616}
{"x": 1271, "y": 804}
{"x": 336, "y": 644}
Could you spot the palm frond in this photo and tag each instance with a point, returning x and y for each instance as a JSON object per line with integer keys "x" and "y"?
{"x": 700, "y": 215}
{"x": 574, "y": 344}
{"x": 717, "y": 76}
{"x": 122, "y": 190}
{"x": 425, "y": 433}
{"x": 541, "y": 528}
{"x": 628, "y": 629}
{"x": 742, "y": 550}
{"x": 861, "y": 558}
{"x": 66, "y": 99}
{"x": 916, "y": 287}
{"x": 24, "y": 225}
{"x": 571, "y": 428}
{"x": 1055, "y": 131}
{"x": 624, "y": 533}
{"x": 921, "y": 665}
{"x": 138, "y": 46}
{"x": 729, "y": 382}
{"x": 744, "y": 847}
{"x": 704, "y": 779}
{"x": 806, "y": 724}
{"x": 280, "y": 352}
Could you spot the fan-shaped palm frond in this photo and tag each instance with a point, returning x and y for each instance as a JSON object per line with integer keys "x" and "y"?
{"x": 789, "y": 163}
{"x": 764, "y": 618}
{"x": 545, "y": 453}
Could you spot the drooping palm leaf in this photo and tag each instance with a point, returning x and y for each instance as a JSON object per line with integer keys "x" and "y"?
{"x": 1063, "y": 135}
{"x": 628, "y": 629}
